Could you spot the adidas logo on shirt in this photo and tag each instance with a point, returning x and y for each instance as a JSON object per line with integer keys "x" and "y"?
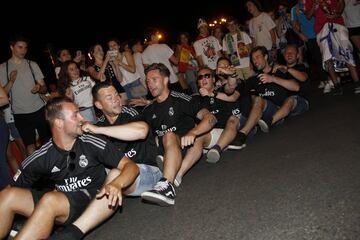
{"x": 55, "y": 169}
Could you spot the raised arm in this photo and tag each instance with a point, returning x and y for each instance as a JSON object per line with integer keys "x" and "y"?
{"x": 127, "y": 132}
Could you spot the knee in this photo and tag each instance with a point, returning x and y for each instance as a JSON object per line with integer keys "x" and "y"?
{"x": 169, "y": 139}
{"x": 233, "y": 122}
{"x": 49, "y": 200}
{"x": 7, "y": 196}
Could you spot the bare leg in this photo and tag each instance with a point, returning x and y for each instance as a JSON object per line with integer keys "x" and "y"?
{"x": 172, "y": 156}
{"x": 332, "y": 73}
{"x": 229, "y": 133}
{"x": 98, "y": 210}
{"x": 284, "y": 110}
{"x": 52, "y": 206}
{"x": 21, "y": 146}
{"x": 11, "y": 159}
{"x": 193, "y": 154}
{"x": 13, "y": 200}
{"x": 353, "y": 72}
{"x": 30, "y": 149}
{"x": 255, "y": 115}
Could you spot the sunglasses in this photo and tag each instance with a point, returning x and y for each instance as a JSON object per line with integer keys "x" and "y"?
{"x": 206, "y": 75}
{"x": 70, "y": 161}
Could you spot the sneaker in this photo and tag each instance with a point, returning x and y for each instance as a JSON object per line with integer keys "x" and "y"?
{"x": 239, "y": 142}
{"x": 327, "y": 87}
{"x": 163, "y": 193}
{"x": 213, "y": 155}
{"x": 160, "y": 162}
{"x": 337, "y": 91}
{"x": 177, "y": 181}
{"x": 322, "y": 84}
{"x": 263, "y": 126}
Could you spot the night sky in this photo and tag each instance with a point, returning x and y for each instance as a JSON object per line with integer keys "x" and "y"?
{"x": 79, "y": 26}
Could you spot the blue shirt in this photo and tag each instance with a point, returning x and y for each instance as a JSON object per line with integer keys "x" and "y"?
{"x": 307, "y": 25}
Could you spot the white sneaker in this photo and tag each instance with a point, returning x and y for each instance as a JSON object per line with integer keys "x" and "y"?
{"x": 177, "y": 181}
{"x": 328, "y": 87}
{"x": 322, "y": 84}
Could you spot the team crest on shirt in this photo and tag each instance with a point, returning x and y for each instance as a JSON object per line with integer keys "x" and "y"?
{"x": 163, "y": 127}
{"x": 212, "y": 100}
{"x": 83, "y": 162}
{"x": 153, "y": 116}
{"x": 171, "y": 111}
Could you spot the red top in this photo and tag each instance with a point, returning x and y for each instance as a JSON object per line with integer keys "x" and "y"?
{"x": 320, "y": 13}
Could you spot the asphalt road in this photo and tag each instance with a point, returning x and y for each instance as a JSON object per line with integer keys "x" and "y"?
{"x": 300, "y": 181}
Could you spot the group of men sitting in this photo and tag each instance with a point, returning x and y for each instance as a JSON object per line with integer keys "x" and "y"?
{"x": 145, "y": 154}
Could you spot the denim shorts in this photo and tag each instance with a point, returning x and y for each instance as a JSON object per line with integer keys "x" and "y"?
{"x": 147, "y": 179}
{"x": 270, "y": 109}
{"x": 301, "y": 105}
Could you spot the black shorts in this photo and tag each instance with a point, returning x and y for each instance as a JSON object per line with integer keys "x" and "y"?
{"x": 27, "y": 123}
{"x": 161, "y": 149}
{"x": 78, "y": 202}
{"x": 355, "y": 31}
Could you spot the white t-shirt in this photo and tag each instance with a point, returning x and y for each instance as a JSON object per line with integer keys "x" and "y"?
{"x": 241, "y": 49}
{"x": 139, "y": 66}
{"x": 22, "y": 100}
{"x": 128, "y": 77}
{"x": 159, "y": 53}
{"x": 351, "y": 13}
{"x": 260, "y": 27}
{"x": 81, "y": 89}
{"x": 208, "y": 48}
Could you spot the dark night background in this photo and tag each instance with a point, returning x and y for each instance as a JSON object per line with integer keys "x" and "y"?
{"x": 74, "y": 25}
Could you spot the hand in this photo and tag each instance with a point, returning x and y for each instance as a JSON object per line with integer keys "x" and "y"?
{"x": 279, "y": 67}
{"x": 89, "y": 128}
{"x": 266, "y": 78}
{"x": 138, "y": 102}
{"x": 35, "y": 89}
{"x": 188, "y": 140}
{"x": 13, "y": 75}
{"x": 112, "y": 193}
{"x": 228, "y": 70}
{"x": 296, "y": 27}
{"x": 204, "y": 92}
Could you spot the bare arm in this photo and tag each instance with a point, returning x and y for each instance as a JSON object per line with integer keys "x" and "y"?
{"x": 3, "y": 97}
{"x": 174, "y": 60}
{"x": 228, "y": 98}
{"x": 289, "y": 84}
{"x": 130, "y": 66}
{"x": 127, "y": 132}
{"x": 11, "y": 81}
{"x": 208, "y": 121}
{"x": 113, "y": 190}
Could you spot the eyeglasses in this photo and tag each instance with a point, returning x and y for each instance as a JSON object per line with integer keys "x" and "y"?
{"x": 70, "y": 161}
{"x": 206, "y": 75}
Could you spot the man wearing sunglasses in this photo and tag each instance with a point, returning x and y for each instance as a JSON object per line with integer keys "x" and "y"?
{"x": 76, "y": 163}
{"x": 172, "y": 118}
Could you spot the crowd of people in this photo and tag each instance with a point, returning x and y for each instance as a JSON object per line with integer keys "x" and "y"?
{"x": 138, "y": 118}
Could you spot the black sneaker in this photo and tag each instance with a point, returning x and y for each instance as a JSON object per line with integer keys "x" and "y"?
{"x": 213, "y": 155}
{"x": 163, "y": 193}
{"x": 239, "y": 142}
{"x": 337, "y": 91}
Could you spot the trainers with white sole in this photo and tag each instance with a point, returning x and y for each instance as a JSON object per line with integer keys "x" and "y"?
{"x": 213, "y": 155}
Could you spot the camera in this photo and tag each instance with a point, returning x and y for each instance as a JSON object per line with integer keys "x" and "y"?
{"x": 113, "y": 53}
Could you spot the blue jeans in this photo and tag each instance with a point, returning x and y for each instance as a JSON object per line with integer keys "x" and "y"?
{"x": 301, "y": 105}
{"x": 147, "y": 179}
{"x": 191, "y": 79}
{"x": 4, "y": 140}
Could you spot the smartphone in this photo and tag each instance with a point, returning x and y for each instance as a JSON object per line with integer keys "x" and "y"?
{"x": 78, "y": 53}
{"x": 113, "y": 53}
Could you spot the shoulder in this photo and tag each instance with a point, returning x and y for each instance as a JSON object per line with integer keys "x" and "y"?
{"x": 93, "y": 140}
{"x": 129, "y": 110}
{"x": 38, "y": 154}
{"x": 180, "y": 96}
